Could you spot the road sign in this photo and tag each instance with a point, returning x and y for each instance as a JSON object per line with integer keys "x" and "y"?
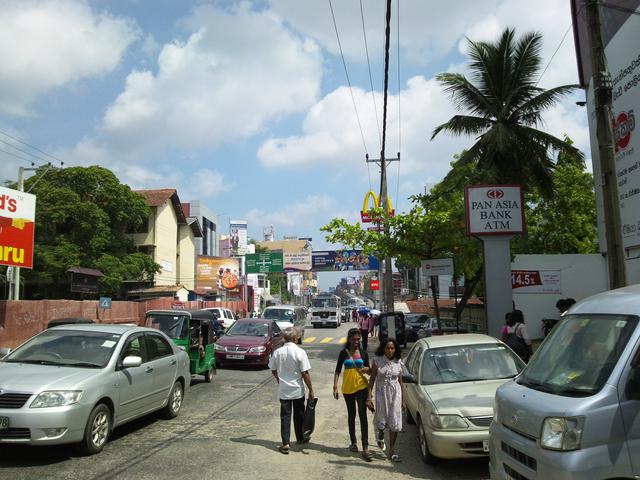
{"x": 264, "y": 262}
{"x": 374, "y": 284}
{"x": 105, "y": 302}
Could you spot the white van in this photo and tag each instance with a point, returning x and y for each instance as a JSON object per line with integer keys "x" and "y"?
{"x": 225, "y": 316}
{"x": 574, "y": 412}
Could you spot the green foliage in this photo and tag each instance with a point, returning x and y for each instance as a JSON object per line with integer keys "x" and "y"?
{"x": 504, "y": 106}
{"x": 84, "y": 217}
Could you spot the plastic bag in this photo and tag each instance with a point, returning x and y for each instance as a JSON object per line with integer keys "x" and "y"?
{"x": 309, "y": 421}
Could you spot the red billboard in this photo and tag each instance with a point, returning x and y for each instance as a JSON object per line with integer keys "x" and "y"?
{"x": 17, "y": 222}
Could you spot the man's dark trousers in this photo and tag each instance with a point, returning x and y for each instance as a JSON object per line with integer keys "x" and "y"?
{"x": 285, "y": 419}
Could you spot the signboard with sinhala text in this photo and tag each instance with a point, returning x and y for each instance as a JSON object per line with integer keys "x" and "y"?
{"x": 264, "y": 262}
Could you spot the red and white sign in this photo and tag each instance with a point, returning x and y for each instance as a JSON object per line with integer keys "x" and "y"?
{"x": 17, "y": 223}
{"x": 374, "y": 284}
{"x": 494, "y": 209}
{"x": 536, "y": 281}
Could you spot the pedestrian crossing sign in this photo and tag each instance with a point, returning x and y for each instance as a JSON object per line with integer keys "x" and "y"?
{"x": 105, "y": 302}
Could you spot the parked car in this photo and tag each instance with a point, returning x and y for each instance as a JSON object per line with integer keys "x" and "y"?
{"x": 76, "y": 383}
{"x": 249, "y": 341}
{"x": 414, "y": 322}
{"x": 225, "y": 316}
{"x": 448, "y": 326}
{"x": 449, "y": 388}
{"x": 68, "y": 321}
{"x": 287, "y": 316}
{"x": 574, "y": 411}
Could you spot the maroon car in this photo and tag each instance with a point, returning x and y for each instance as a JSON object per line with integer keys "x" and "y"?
{"x": 249, "y": 341}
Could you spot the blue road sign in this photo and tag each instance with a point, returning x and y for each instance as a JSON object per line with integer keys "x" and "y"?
{"x": 105, "y": 302}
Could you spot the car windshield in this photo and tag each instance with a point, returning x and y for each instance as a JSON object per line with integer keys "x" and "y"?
{"x": 415, "y": 319}
{"x": 468, "y": 363}
{"x": 175, "y": 326}
{"x": 278, "y": 314}
{"x": 578, "y": 356}
{"x": 68, "y": 348}
{"x": 248, "y": 329}
{"x": 324, "y": 303}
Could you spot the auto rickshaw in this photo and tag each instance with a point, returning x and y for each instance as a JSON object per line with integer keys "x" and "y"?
{"x": 193, "y": 331}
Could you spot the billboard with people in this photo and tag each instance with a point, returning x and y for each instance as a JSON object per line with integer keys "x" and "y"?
{"x": 343, "y": 260}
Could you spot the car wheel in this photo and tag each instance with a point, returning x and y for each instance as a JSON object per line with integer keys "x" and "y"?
{"x": 427, "y": 456}
{"x": 175, "y": 401}
{"x": 96, "y": 432}
{"x": 208, "y": 375}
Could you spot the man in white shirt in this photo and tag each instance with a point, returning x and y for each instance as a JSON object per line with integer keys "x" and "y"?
{"x": 290, "y": 366}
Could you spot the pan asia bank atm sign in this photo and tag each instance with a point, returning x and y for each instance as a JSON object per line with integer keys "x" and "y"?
{"x": 17, "y": 215}
{"x": 494, "y": 209}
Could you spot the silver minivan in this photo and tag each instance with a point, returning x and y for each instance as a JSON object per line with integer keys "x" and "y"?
{"x": 574, "y": 412}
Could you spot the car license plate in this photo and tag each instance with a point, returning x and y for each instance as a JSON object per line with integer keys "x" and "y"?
{"x": 485, "y": 446}
{"x": 232, "y": 356}
{"x": 4, "y": 423}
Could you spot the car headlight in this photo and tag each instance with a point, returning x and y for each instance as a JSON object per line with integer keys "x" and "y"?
{"x": 219, "y": 348}
{"x": 446, "y": 422}
{"x": 56, "y": 398}
{"x": 258, "y": 349}
{"x": 562, "y": 433}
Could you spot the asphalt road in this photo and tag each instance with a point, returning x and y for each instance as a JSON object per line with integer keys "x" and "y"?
{"x": 230, "y": 429}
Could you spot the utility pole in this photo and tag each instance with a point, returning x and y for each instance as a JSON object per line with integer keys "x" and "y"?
{"x": 602, "y": 89}
{"x": 14, "y": 283}
{"x": 387, "y": 278}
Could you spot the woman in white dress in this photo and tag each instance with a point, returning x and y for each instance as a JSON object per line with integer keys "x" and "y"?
{"x": 386, "y": 377}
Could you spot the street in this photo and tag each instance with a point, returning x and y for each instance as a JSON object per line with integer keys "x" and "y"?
{"x": 230, "y": 428}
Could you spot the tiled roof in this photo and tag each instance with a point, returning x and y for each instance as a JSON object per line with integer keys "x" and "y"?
{"x": 155, "y": 198}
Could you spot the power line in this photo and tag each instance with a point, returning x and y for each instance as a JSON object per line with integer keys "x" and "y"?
{"x": 344, "y": 64}
{"x": 366, "y": 48}
{"x": 25, "y": 152}
{"x": 29, "y": 161}
{"x": 33, "y": 147}
{"x": 554, "y": 53}
{"x": 399, "y": 110}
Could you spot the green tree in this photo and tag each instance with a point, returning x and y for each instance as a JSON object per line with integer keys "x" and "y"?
{"x": 84, "y": 217}
{"x": 503, "y": 106}
{"x": 565, "y": 223}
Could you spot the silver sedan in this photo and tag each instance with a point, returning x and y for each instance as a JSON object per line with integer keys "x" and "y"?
{"x": 76, "y": 383}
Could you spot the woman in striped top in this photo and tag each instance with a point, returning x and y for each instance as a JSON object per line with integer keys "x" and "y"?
{"x": 355, "y": 388}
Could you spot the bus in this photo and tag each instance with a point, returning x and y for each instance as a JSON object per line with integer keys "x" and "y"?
{"x": 325, "y": 310}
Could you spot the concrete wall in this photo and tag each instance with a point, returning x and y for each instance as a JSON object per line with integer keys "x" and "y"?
{"x": 186, "y": 257}
{"x": 21, "y": 319}
{"x": 580, "y": 276}
{"x": 166, "y": 237}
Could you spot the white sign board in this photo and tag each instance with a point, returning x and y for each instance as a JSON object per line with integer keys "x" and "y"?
{"x": 437, "y": 266}
{"x": 536, "y": 281}
{"x": 494, "y": 209}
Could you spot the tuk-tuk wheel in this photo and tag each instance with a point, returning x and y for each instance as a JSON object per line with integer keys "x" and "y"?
{"x": 208, "y": 375}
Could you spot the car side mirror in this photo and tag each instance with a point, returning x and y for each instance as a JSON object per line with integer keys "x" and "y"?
{"x": 408, "y": 378}
{"x": 633, "y": 385}
{"x": 131, "y": 361}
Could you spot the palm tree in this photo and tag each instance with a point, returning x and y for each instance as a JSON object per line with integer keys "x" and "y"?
{"x": 503, "y": 105}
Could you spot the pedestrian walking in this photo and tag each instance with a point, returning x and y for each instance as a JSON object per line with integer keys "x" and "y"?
{"x": 386, "y": 377}
{"x": 355, "y": 388}
{"x": 503, "y": 330}
{"x": 365, "y": 324}
{"x": 517, "y": 337}
{"x": 290, "y": 366}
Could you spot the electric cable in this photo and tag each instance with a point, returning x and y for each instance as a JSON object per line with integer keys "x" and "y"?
{"x": 34, "y": 147}
{"x": 554, "y": 53}
{"x": 26, "y": 152}
{"x": 366, "y": 48}
{"x": 399, "y": 109}
{"x": 344, "y": 64}
{"x": 29, "y": 161}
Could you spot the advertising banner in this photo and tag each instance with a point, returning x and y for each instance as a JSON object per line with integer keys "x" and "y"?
{"x": 297, "y": 261}
{"x": 294, "y": 283}
{"x": 216, "y": 274}
{"x": 536, "y": 281}
{"x": 17, "y": 224}
{"x": 494, "y": 209}
{"x": 238, "y": 237}
{"x": 343, "y": 260}
{"x": 437, "y": 266}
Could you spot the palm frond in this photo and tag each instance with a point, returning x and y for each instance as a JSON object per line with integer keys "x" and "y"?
{"x": 526, "y": 60}
{"x": 464, "y": 94}
{"x": 543, "y": 100}
{"x": 552, "y": 143}
{"x": 463, "y": 125}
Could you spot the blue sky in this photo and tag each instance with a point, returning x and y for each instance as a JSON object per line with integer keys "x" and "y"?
{"x": 245, "y": 105}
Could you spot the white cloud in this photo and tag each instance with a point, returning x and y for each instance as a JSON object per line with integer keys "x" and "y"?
{"x": 205, "y": 183}
{"x": 50, "y": 43}
{"x": 301, "y": 216}
{"x": 232, "y": 75}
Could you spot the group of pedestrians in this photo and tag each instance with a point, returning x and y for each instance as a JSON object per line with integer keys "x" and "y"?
{"x": 375, "y": 386}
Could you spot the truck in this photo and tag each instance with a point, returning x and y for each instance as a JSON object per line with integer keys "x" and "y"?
{"x": 326, "y": 310}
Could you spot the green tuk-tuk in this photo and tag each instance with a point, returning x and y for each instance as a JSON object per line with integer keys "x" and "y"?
{"x": 191, "y": 330}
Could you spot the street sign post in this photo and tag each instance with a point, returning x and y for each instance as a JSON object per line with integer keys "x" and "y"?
{"x": 267, "y": 262}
